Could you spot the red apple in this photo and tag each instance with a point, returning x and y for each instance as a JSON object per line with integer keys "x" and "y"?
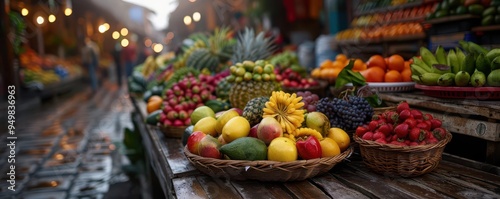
{"x": 194, "y": 141}
{"x": 209, "y": 147}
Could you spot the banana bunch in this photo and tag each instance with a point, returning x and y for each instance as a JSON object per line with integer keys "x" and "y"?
{"x": 287, "y": 109}
{"x": 150, "y": 66}
{"x": 304, "y": 132}
{"x": 44, "y": 77}
{"x": 456, "y": 68}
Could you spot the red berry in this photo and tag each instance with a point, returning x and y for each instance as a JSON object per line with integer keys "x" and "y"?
{"x": 402, "y": 106}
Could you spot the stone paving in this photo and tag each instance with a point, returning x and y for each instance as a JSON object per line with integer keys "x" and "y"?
{"x": 69, "y": 148}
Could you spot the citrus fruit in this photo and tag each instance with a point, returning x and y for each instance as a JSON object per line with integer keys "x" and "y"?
{"x": 316, "y": 73}
{"x": 282, "y": 149}
{"x": 341, "y": 57}
{"x": 338, "y": 64}
{"x": 376, "y": 60}
{"x": 224, "y": 118}
{"x": 329, "y": 147}
{"x": 235, "y": 128}
{"x": 393, "y": 76}
{"x": 153, "y": 106}
{"x": 406, "y": 75}
{"x": 326, "y": 64}
{"x": 206, "y": 125}
{"x": 340, "y": 137}
{"x": 155, "y": 98}
{"x": 373, "y": 74}
{"x": 396, "y": 62}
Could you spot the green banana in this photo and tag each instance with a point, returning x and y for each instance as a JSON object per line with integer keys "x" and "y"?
{"x": 478, "y": 79}
{"x": 427, "y": 56}
{"x": 419, "y": 62}
{"x": 469, "y": 64}
{"x": 417, "y": 70}
{"x": 464, "y": 45}
{"x": 460, "y": 57}
{"x": 492, "y": 54}
{"x": 416, "y": 79}
{"x": 482, "y": 64}
{"x": 462, "y": 78}
{"x": 452, "y": 61}
{"x": 429, "y": 79}
{"x": 473, "y": 47}
{"x": 440, "y": 55}
{"x": 446, "y": 79}
{"x": 495, "y": 64}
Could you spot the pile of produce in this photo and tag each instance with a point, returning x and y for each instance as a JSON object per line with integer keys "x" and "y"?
{"x": 457, "y": 7}
{"x": 403, "y": 127}
{"x": 284, "y": 132}
{"x": 491, "y": 14}
{"x": 475, "y": 67}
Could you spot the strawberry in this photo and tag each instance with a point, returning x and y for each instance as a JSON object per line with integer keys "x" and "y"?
{"x": 382, "y": 121}
{"x": 361, "y": 130}
{"x": 432, "y": 140}
{"x": 385, "y": 129}
{"x": 376, "y": 117}
{"x": 401, "y": 130}
{"x": 428, "y": 135}
{"x": 416, "y": 114}
{"x": 381, "y": 141}
{"x": 407, "y": 142}
{"x": 404, "y": 114}
{"x": 395, "y": 142}
{"x": 391, "y": 116}
{"x": 394, "y": 137}
{"x": 373, "y": 125}
{"x": 413, "y": 144}
{"x": 435, "y": 123}
{"x": 424, "y": 126}
{"x": 439, "y": 133}
{"x": 416, "y": 135}
{"x": 368, "y": 135}
{"x": 411, "y": 122}
{"x": 428, "y": 116}
{"x": 402, "y": 106}
{"x": 377, "y": 135}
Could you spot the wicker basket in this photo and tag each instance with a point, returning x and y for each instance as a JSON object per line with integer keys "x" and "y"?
{"x": 265, "y": 170}
{"x": 401, "y": 161}
{"x": 380, "y": 110}
{"x": 173, "y": 131}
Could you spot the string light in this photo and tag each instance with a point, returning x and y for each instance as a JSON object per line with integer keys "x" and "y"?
{"x": 124, "y": 42}
{"x": 124, "y": 31}
{"x": 25, "y": 11}
{"x": 68, "y": 11}
{"x": 52, "y": 18}
{"x": 115, "y": 35}
{"x": 40, "y": 20}
{"x": 187, "y": 20}
{"x": 196, "y": 16}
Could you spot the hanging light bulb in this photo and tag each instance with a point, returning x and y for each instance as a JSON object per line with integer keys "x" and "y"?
{"x": 115, "y": 35}
{"x": 69, "y": 8}
{"x": 25, "y": 11}
{"x": 52, "y": 18}
{"x": 40, "y": 20}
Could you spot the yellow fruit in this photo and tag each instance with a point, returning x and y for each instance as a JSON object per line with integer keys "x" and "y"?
{"x": 201, "y": 112}
{"x": 329, "y": 147}
{"x": 224, "y": 118}
{"x": 340, "y": 137}
{"x": 206, "y": 125}
{"x": 282, "y": 149}
{"x": 235, "y": 128}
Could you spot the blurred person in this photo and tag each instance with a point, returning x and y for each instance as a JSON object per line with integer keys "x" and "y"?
{"x": 90, "y": 59}
{"x": 129, "y": 54}
{"x": 117, "y": 50}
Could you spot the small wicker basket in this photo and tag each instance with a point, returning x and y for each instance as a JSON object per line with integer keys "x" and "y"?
{"x": 265, "y": 170}
{"x": 401, "y": 161}
{"x": 173, "y": 131}
{"x": 380, "y": 110}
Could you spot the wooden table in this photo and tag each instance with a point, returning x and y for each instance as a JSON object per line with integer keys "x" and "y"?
{"x": 350, "y": 179}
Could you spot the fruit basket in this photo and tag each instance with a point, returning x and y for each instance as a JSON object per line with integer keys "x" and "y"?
{"x": 264, "y": 170}
{"x": 453, "y": 92}
{"x": 404, "y": 161}
{"x": 173, "y": 131}
{"x": 390, "y": 86}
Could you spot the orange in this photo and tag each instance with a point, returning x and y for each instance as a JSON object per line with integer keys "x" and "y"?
{"x": 155, "y": 98}
{"x": 393, "y": 76}
{"x": 396, "y": 62}
{"x": 316, "y": 73}
{"x": 376, "y": 60}
{"x": 338, "y": 64}
{"x": 153, "y": 106}
{"x": 341, "y": 57}
{"x": 330, "y": 73}
{"x": 326, "y": 64}
{"x": 406, "y": 75}
{"x": 358, "y": 64}
{"x": 407, "y": 64}
{"x": 361, "y": 68}
{"x": 373, "y": 74}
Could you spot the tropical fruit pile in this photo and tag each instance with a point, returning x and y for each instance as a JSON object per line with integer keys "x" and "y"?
{"x": 403, "y": 127}
{"x": 472, "y": 66}
{"x": 389, "y": 69}
{"x": 283, "y": 131}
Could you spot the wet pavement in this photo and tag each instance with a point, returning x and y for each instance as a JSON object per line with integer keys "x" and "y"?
{"x": 70, "y": 147}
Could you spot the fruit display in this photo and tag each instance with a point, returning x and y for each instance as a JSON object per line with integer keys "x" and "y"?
{"x": 474, "y": 66}
{"x": 250, "y": 80}
{"x": 367, "y": 6}
{"x": 287, "y": 109}
{"x": 346, "y": 113}
{"x": 183, "y": 98}
{"x": 379, "y": 19}
{"x": 294, "y": 80}
{"x": 403, "y": 127}
{"x": 329, "y": 70}
{"x": 253, "y": 110}
{"x": 389, "y": 69}
{"x": 388, "y": 31}
{"x": 252, "y": 47}
{"x": 491, "y": 14}
{"x": 456, "y": 7}
{"x": 310, "y": 100}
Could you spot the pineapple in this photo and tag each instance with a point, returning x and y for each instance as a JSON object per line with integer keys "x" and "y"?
{"x": 243, "y": 92}
{"x": 253, "y": 110}
{"x": 217, "y": 51}
{"x": 252, "y": 47}
{"x": 222, "y": 89}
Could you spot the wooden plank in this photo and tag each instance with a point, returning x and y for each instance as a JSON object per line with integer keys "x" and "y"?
{"x": 188, "y": 187}
{"x": 335, "y": 189}
{"x": 471, "y": 164}
{"x": 179, "y": 164}
{"x": 493, "y": 152}
{"x": 258, "y": 190}
{"x": 486, "y": 188}
{"x": 304, "y": 189}
{"x": 217, "y": 188}
{"x": 459, "y": 169}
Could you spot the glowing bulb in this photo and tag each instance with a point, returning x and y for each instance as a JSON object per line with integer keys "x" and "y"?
{"x": 40, "y": 20}
{"x": 115, "y": 35}
{"x": 52, "y": 18}
{"x": 68, "y": 11}
{"x": 106, "y": 26}
{"x": 196, "y": 16}
{"x": 187, "y": 20}
{"x": 124, "y": 42}
{"x": 158, "y": 48}
{"x": 102, "y": 29}
{"x": 25, "y": 11}
{"x": 124, "y": 31}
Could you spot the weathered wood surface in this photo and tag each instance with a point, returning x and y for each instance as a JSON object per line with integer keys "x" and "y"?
{"x": 349, "y": 179}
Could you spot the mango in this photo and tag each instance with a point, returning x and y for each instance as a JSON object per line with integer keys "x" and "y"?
{"x": 494, "y": 78}
{"x": 319, "y": 122}
{"x": 245, "y": 148}
{"x": 269, "y": 128}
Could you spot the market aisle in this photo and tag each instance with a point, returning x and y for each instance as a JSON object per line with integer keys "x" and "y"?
{"x": 71, "y": 147}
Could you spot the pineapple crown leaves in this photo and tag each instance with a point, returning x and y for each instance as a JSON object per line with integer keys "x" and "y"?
{"x": 252, "y": 47}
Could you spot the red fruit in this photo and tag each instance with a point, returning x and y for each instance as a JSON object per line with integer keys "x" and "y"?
{"x": 194, "y": 141}
{"x": 172, "y": 101}
{"x": 413, "y": 144}
{"x": 378, "y": 135}
{"x": 373, "y": 125}
{"x": 381, "y": 141}
{"x": 253, "y": 131}
{"x": 439, "y": 133}
{"x": 411, "y": 122}
{"x": 416, "y": 114}
{"x": 391, "y": 116}
{"x": 385, "y": 129}
{"x": 187, "y": 121}
{"x": 428, "y": 116}
{"x": 167, "y": 122}
{"x": 432, "y": 140}
{"x": 178, "y": 123}
{"x": 401, "y": 130}
{"x": 205, "y": 95}
{"x": 424, "y": 126}
{"x": 416, "y": 135}
{"x": 394, "y": 137}
{"x": 435, "y": 123}
{"x": 196, "y": 98}
{"x": 407, "y": 142}
{"x": 183, "y": 114}
{"x": 172, "y": 115}
{"x": 377, "y": 117}
{"x": 163, "y": 117}
{"x": 404, "y": 114}
{"x": 428, "y": 135}
{"x": 361, "y": 130}
{"x": 368, "y": 135}
{"x": 395, "y": 142}
{"x": 402, "y": 106}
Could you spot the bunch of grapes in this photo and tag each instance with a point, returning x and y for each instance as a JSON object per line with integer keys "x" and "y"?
{"x": 346, "y": 114}
{"x": 309, "y": 99}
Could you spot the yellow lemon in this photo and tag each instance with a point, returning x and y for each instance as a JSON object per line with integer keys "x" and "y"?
{"x": 329, "y": 147}
{"x": 340, "y": 136}
{"x": 282, "y": 149}
{"x": 224, "y": 118}
{"x": 235, "y": 128}
{"x": 206, "y": 125}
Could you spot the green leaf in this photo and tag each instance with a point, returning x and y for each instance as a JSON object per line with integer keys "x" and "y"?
{"x": 348, "y": 76}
